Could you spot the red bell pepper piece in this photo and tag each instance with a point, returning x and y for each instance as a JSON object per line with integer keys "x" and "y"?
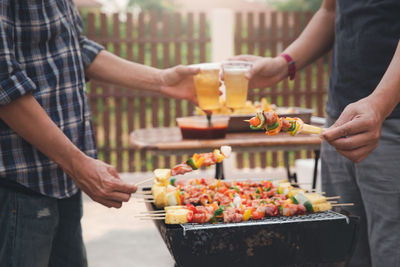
{"x": 191, "y": 207}
{"x": 189, "y": 216}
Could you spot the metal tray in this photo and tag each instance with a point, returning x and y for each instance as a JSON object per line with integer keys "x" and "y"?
{"x": 322, "y": 238}
{"x": 237, "y": 124}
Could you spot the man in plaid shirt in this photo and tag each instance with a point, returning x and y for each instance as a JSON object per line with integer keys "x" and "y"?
{"x": 47, "y": 148}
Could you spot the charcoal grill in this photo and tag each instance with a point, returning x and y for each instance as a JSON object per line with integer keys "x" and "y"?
{"x": 309, "y": 240}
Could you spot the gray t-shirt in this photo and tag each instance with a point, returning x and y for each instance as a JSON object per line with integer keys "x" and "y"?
{"x": 366, "y": 37}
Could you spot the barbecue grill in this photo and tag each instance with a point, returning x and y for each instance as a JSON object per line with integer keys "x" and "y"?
{"x": 307, "y": 240}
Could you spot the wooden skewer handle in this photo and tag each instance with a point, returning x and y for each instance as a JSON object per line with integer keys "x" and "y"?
{"x": 150, "y": 215}
{"x": 152, "y": 212}
{"x": 144, "y": 198}
{"x": 342, "y": 204}
{"x": 310, "y": 129}
{"x": 148, "y": 218}
{"x": 335, "y": 197}
{"x": 144, "y": 181}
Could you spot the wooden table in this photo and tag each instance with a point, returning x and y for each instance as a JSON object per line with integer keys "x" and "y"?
{"x": 167, "y": 141}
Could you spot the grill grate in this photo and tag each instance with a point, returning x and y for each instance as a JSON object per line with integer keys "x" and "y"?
{"x": 312, "y": 217}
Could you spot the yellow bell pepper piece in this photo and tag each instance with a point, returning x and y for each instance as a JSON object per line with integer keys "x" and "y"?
{"x": 178, "y": 198}
{"x": 247, "y": 215}
{"x": 199, "y": 162}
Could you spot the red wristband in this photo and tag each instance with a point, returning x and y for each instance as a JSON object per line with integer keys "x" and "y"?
{"x": 291, "y": 65}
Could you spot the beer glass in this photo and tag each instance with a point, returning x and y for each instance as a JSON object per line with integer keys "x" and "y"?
{"x": 207, "y": 85}
{"x": 236, "y": 84}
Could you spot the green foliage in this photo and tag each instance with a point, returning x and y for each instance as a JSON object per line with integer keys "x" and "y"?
{"x": 295, "y": 5}
{"x": 154, "y": 5}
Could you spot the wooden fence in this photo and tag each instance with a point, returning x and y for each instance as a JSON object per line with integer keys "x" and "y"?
{"x": 164, "y": 40}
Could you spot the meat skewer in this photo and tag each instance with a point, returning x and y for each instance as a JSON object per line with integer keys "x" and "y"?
{"x": 233, "y": 201}
{"x": 203, "y": 159}
{"x": 270, "y": 121}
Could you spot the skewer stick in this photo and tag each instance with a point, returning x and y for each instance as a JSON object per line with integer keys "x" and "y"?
{"x": 145, "y": 181}
{"x": 311, "y": 129}
{"x": 343, "y": 204}
{"x": 149, "y": 215}
{"x": 332, "y": 202}
{"x": 246, "y": 120}
{"x": 152, "y": 211}
{"x": 143, "y": 192}
{"x": 153, "y": 218}
{"x": 143, "y": 197}
{"x": 145, "y": 201}
{"x": 301, "y": 183}
{"x": 335, "y": 197}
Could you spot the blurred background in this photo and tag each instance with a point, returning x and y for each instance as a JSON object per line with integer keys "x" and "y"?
{"x": 164, "y": 33}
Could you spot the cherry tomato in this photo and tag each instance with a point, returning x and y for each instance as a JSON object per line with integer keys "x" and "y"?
{"x": 276, "y": 212}
{"x": 255, "y": 121}
{"x": 268, "y": 184}
{"x": 257, "y": 215}
{"x": 189, "y": 216}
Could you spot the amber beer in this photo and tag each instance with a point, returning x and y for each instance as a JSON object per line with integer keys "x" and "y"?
{"x": 207, "y": 85}
{"x": 236, "y": 84}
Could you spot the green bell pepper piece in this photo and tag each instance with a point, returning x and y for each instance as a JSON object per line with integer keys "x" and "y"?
{"x": 308, "y": 206}
{"x": 292, "y": 126}
{"x": 273, "y": 126}
{"x": 191, "y": 163}
{"x": 260, "y": 115}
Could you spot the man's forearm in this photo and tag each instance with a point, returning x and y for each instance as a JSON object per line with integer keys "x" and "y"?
{"x": 317, "y": 38}
{"x": 29, "y": 120}
{"x": 112, "y": 69}
{"x": 387, "y": 93}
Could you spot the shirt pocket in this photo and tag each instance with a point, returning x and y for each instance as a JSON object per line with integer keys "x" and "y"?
{"x": 40, "y": 23}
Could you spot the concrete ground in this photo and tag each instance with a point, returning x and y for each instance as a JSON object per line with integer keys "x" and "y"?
{"x": 116, "y": 238}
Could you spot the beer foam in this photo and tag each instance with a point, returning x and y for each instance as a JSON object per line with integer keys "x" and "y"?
{"x": 206, "y": 66}
{"x": 235, "y": 70}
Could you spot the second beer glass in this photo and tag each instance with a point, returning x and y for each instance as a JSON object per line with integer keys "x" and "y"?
{"x": 236, "y": 84}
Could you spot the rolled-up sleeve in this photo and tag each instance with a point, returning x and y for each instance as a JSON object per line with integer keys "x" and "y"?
{"x": 89, "y": 49}
{"x": 14, "y": 82}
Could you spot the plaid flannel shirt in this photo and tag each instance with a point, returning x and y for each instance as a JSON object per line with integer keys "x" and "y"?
{"x": 43, "y": 52}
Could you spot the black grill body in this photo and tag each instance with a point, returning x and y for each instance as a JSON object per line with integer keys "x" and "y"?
{"x": 319, "y": 239}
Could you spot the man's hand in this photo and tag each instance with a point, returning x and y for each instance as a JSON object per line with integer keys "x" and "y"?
{"x": 97, "y": 179}
{"x": 265, "y": 71}
{"x": 178, "y": 82}
{"x": 357, "y": 131}
{"x": 101, "y": 182}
